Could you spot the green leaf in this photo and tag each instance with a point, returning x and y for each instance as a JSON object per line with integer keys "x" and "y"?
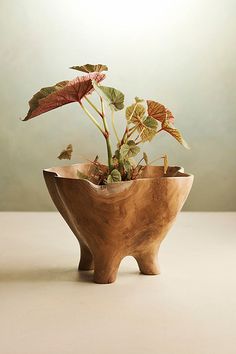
{"x": 117, "y": 160}
{"x": 129, "y": 149}
{"x": 114, "y": 176}
{"x": 128, "y": 169}
{"x": 127, "y": 166}
{"x": 150, "y": 123}
{"x": 135, "y": 113}
{"x": 90, "y": 68}
{"x": 137, "y": 99}
{"x": 124, "y": 151}
{"x": 149, "y": 129}
{"x": 81, "y": 175}
{"x": 66, "y": 153}
{"x": 114, "y": 97}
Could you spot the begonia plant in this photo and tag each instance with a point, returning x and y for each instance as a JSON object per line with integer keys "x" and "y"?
{"x": 144, "y": 121}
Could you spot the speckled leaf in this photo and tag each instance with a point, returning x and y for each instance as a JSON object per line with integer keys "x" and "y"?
{"x": 66, "y": 153}
{"x": 149, "y": 129}
{"x": 64, "y": 92}
{"x": 114, "y": 176}
{"x": 159, "y": 112}
{"x": 135, "y": 113}
{"x": 90, "y": 68}
{"x": 113, "y": 97}
{"x": 147, "y": 134}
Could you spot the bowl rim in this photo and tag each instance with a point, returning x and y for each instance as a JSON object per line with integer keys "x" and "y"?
{"x": 180, "y": 171}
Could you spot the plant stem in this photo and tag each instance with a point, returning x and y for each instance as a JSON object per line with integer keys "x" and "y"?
{"x": 125, "y": 134}
{"x": 140, "y": 161}
{"x": 109, "y": 155}
{"x": 109, "y": 152}
{"x": 102, "y": 106}
{"x": 140, "y": 141}
{"x": 158, "y": 158}
{"x": 94, "y": 107}
{"x": 91, "y": 118}
{"x": 131, "y": 131}
{"x": 113, "y": 125}
{"x": 104, "y": 132}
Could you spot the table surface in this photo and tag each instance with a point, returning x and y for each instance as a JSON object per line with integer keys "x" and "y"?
{"x": 46, "y": 306}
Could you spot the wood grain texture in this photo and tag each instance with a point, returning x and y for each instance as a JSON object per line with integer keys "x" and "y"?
{"x": 120, "y": 219}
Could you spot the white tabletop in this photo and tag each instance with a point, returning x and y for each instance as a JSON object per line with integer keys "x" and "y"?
{"x": 46, "y": 306}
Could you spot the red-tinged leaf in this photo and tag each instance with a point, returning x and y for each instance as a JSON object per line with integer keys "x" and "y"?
{"x": 159, "y": 111}
{"x": 177, "y": 135}
{"x": 62, "y": 93}
{"x": 169, "y": 116}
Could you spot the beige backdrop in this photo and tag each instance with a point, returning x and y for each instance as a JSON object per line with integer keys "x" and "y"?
{"x": 181, "y": 53}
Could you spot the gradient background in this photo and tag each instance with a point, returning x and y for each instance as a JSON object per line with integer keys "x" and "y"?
{"x": 181, "y": 53}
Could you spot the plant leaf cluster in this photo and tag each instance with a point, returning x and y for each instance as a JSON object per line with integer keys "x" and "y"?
{"x": 145, "y": 119}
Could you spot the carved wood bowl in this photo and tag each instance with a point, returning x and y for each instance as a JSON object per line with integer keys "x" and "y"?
{"x": 119, "y": 219}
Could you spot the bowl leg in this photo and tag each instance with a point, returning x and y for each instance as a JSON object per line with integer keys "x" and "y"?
{"x": 147, "y": 262}
{"x": 105, "y": 267}
{"x": 86, "y": 258}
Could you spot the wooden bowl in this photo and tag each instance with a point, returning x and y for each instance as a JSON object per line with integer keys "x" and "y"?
{"x": 119, "y": 219}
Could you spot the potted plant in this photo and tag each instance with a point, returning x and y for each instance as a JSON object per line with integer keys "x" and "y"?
{"x": 126, "y": 206}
